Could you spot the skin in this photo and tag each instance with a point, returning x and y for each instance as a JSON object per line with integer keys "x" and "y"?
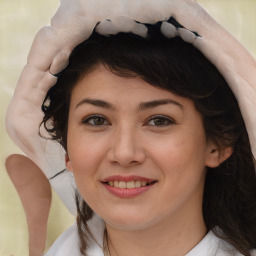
{"x": 164, "y": 142}
{"x": 35, "y": 194}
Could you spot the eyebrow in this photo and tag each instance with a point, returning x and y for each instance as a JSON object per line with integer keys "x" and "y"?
{"x": 156, "y": 103}
{"x": 95, "y": 102}
{"x": 142, "y": 106}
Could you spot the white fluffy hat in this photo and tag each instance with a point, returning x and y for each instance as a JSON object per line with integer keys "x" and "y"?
{"x": 74, "y": 22}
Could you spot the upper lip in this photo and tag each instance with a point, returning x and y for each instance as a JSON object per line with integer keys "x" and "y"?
{"x": 127, "y": 178}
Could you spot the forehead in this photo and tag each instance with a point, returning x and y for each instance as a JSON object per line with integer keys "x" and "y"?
{"x": 103, "y": 84}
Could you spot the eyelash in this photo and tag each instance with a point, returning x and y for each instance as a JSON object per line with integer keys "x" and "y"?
{"x": 167, "y": 121}
{"x": 94, "y": 117}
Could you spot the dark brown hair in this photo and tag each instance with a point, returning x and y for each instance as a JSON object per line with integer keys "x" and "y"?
{"x": 229, "y": 205}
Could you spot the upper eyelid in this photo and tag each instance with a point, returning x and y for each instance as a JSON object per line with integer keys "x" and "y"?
{"x": 84, "y": 119}
{"x": 160, "y": 116}
{"x": 146, "y": 121}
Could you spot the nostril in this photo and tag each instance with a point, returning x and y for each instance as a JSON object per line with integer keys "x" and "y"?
{"x": 125, "y": 164}
{"x": 125, "y": 153}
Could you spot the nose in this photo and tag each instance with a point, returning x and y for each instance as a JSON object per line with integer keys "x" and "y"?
{"x": 126, "y": 148}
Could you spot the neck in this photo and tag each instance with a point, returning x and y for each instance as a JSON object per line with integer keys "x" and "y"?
{"x": 173, "y": 237}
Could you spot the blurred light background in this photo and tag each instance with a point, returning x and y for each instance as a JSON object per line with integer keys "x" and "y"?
{"x": 19, "y": 22}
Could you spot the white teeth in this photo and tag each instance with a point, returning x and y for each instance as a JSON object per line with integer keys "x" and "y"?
{"x": 137, "y": 184}
{"x": 130, "y": 184}
{"x": 143, "y": 183}
{"x": 122, "y": 184}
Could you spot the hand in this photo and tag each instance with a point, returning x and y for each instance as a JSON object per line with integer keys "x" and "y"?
{"x": 35, "y": 194}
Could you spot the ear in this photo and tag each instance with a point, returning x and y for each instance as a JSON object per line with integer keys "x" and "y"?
{"x": 68, "y": 163}
{"x": 216, "y": 155}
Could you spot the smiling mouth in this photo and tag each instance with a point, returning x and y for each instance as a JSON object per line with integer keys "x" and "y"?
{"x": 130, "y": 184}
{"x": 128, "y": 187}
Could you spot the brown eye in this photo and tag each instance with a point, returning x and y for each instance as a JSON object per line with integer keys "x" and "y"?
{"x": 98, "y": 121}
{"x": 95, "y": 121}
{"x": 160, "y": 121}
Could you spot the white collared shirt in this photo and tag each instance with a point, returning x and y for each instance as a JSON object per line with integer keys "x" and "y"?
{"x": 68, "y": 243}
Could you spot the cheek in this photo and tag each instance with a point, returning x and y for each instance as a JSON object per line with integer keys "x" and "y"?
{"x": 86, "y": 153}
{"x": 182, "y": 165}
{"x": 179, "y": 149}
{"x": 84, "y": 161}
{"x": 181, "y": 159}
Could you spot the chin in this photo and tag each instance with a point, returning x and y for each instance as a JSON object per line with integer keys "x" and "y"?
{"x": 129, "y": 222}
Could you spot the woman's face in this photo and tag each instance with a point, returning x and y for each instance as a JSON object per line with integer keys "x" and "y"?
{"x": 138, "y": 153}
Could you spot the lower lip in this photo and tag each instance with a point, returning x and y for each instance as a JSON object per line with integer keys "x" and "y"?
{"x": 128, "y": 192}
